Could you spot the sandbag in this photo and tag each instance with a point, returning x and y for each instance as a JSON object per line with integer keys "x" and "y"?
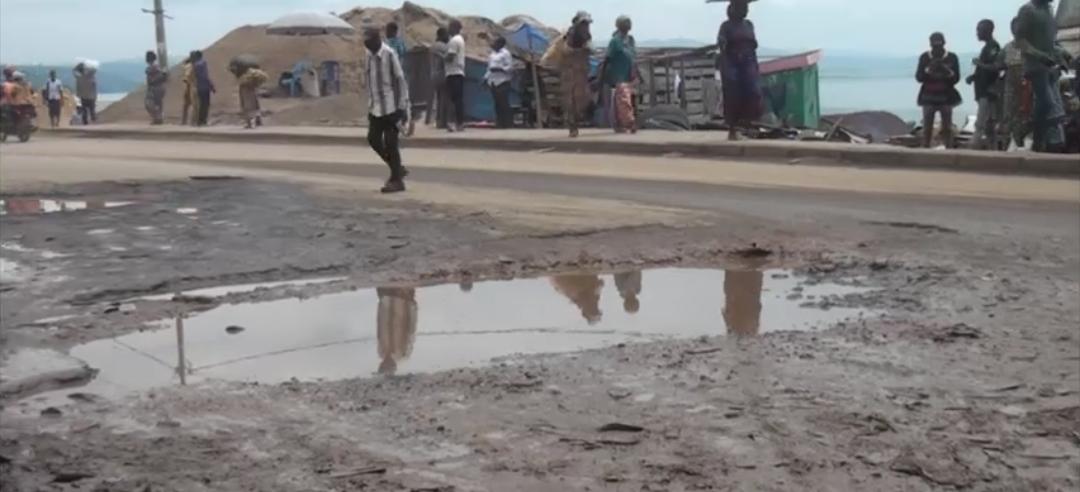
{"x": 89, "y": 66}
{"x": 240, "y": 63}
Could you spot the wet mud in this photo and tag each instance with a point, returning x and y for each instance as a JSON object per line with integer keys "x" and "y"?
{"x": 277, "y": 339}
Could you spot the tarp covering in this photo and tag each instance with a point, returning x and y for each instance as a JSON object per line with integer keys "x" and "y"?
{"x": 530, "y": 39}
{"x": 878, "y": 126}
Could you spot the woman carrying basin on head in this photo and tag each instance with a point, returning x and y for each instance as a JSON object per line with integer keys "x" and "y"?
{"x": 737, "y": 63}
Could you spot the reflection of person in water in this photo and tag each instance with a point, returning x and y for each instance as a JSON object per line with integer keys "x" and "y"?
{"x": 742, "y": 302}
{"x": 396, "y": 326}
{"x": 629, "y": 285}
{"x": 584, "y": 291}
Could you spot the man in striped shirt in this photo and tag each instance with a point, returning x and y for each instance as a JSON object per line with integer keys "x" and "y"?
{"x": 388, "y": 103}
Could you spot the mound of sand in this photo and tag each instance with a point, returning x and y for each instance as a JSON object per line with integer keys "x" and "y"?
{"x": 280, "y": 53}
{"x": 276, "y": 54}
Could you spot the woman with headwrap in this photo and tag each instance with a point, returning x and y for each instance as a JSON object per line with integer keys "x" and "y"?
{"x": 619, "y": 73}
{"x": 570, "y": 56}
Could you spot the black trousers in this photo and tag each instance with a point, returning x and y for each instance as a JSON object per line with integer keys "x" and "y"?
{"x": 54, "y": 111}
{"x": 504, "y": 116}
{"x": 89, "y": 111}
{"x": 455, "y": 85}
{"x": 204, "y": 107}
{"x": 383, "y": 138}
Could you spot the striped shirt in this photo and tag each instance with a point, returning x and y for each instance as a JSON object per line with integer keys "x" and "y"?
{"x": 388, "y": 92}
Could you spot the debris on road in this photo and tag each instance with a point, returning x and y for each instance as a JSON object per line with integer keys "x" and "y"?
{"x": 620, "y": 427}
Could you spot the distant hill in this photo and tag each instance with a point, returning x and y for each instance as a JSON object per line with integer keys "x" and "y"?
{"x": 112, "y": 77}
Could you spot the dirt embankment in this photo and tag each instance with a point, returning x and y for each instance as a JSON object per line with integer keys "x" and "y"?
{"x": 279, "y": 54}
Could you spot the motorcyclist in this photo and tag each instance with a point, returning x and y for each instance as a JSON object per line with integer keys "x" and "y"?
{"x": 16, "y": 97}
{"x": 8, "y": 87}
{"x": 17, "y": 91}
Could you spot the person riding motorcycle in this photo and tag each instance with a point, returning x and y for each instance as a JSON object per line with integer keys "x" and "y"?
{"x": 8, "y": 88}
{"x": 16, "y": 101}
{"x": 19, "y": 92}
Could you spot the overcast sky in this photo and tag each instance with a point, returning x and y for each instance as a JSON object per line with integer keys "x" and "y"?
{"x": 59, "y": 31}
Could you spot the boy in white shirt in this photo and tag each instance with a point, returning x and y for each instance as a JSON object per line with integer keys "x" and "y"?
{"x": 54, "y": 98}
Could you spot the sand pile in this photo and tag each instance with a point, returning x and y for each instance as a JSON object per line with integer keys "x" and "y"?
{"x": 280, "y": 53}
{"x": 276, "y": 54}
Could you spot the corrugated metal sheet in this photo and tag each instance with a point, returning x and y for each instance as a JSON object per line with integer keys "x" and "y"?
{"x": 1068, "y": 14}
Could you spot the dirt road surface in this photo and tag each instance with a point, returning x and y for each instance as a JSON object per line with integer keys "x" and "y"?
{"x": 657, "y": 336}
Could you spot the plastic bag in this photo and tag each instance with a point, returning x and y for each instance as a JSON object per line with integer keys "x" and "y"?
{"x": 89, "y": 65}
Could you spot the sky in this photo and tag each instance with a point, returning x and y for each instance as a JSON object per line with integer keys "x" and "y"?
{"x": 61, "y": 31}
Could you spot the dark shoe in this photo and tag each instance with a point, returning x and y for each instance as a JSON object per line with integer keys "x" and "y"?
{"x": 393, "y": 186}
{"x": 404, "y": 172}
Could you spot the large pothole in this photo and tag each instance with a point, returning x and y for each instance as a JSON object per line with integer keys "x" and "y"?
{"x": 408, "y": 329}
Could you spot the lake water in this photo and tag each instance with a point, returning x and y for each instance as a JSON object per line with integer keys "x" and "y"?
{"x": 105, "y": 99}
{"x": 896, "y": 95}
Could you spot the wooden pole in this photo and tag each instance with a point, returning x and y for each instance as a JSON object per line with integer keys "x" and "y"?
{"x": 682, "y": 77}
{"x": 536, "y": 85}
{"x": 181, "y": 366}
{"x": 652, "y": 84}
{"x": 159, "y": 33}
{"x": 667, "y": 81}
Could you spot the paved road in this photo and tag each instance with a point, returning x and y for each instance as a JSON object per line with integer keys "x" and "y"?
{"x": 789, "y": 193}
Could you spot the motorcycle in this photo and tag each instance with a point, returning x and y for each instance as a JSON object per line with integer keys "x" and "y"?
{"x": 17, "y": 120}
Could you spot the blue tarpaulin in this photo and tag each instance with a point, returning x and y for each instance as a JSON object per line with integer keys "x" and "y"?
{"x": 530, "y": 39}
{"x": 479, "y": 104}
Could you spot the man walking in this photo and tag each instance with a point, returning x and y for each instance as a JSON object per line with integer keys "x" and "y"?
{"x": 1036, "y": 35}
{"x": 986, "y": 76}
{"x": 455, "y": 74}
{"x": 203, "y": 86}
{"x": 87, "y": 91}
{"x": 54, "y": 98}
{"x": 388, "y": 105}
{"x": 938, "y": 72}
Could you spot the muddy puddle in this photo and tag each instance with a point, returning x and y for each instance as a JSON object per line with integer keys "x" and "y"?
{"x": 35, "y": 206}
{"x": 400, "y": 330}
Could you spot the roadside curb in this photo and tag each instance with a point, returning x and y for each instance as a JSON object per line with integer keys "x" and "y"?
{"x": 790, "y": 152}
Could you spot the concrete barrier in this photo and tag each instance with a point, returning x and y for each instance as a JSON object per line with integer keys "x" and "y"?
{"x": 685, "y": 144}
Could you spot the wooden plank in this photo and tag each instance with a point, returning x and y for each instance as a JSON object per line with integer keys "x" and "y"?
{"x": 667, "y": 81}
{"x": 682, "y": 70}
{"x": 652, "y": 84}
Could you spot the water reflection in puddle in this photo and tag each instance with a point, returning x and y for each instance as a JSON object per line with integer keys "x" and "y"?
{"x": 33, "y": 206}
{"x": 406, "y": 330}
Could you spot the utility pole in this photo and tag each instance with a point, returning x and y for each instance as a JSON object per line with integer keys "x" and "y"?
{"x": 159, "y": 31}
